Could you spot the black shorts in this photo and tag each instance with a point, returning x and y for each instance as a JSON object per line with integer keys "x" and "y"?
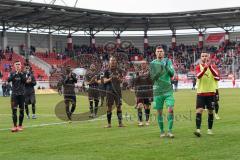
{"x": 17, "y": 101}
{"x": 113, "y": 97}
{"x": 93, "y": 93}
{"x": 30, "y": 99}
{"x": 71, "y": 99}
{"x": 145, "y": 101}
{"x": 205, "y": 102}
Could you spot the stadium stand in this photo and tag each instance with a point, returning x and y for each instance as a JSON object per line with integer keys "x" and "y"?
{"x": 183, "y": 56}
{"x": 56, "y": 59}
{"x": 7, "y": 60}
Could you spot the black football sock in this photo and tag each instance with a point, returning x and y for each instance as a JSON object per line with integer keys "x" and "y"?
{"x": 33, "y": 108}
{"x": 147, "y": 114}
{"x": 210, "y": 121}
{"x": 198, "y": 120}
{"x": 216, "y": 107}
{"x": 21, "y": 116}
{"x": 14, "y": 116}
{"x": 140, "y": 115}
{"x": 73, "y": 108}
{"x": 119, "y": 115}
{"x": 109, "y": 117}
{"x": 91, "y": 106}
{"x": 68, "y": 112}
{"x": 96, "y": 106}
{"x": 27, "y": 110}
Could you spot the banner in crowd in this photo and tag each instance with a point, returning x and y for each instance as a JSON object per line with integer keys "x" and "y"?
{"x": 215, "y": 38}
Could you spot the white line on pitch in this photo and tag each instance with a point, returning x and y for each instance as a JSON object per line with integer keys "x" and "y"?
{"x": 53, "y": 124}
{"x": 39, "y": 115}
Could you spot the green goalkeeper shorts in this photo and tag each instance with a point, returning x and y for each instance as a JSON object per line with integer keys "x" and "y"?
{"x": 158, "y": 101}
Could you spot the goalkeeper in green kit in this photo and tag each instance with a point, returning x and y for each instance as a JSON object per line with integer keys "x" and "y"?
{"x": 161, "y": 71}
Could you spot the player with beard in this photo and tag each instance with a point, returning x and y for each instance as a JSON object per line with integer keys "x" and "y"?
{"x": 162, "y": 71}
{"x": 113, "y": 77}
{"x": 206, "y": 80}
{"x": 68, "y": 82}
{"x": 93, "y": 91}
{"x": 29, "y": 92}
{"x": 143, "y": 90}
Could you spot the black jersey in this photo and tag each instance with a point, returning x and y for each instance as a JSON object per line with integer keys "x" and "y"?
{"x": 90, "y": 75}
{"x": 29, "y": 87}
{"x": 18, "y": 82}
{"x": 68, "y": 83}
{"x": 115, "y": 84}
{"x": 143, "y": 85}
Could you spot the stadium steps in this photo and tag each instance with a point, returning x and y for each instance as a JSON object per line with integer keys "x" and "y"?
{"x": 41, "y": 64}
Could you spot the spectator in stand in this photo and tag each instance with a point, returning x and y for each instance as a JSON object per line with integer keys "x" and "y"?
{"x": 64, "y": 56}
{"x": 6, "y": 67}
{"x": 175, "y": 81}
{"x": 46, "y": 54}
{"x": 8, "y": 88}
{"x": 1, "y": 55}
{"x": 52, "y": 70}
{"x": 10, "y": 57}
{"x": 4, "y": 85}
{"x": 194, "y": 81}
{"x": 10, "y": 68}
{"x": 1, "y": 75}
{"x": 58, "y": 56}
{"x": 183, "y": 56}
{"x": 39, "y": 77}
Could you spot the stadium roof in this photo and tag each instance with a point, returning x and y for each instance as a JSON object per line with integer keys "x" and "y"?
{"x": 143, "y": 6}
{"x": 19, "y": 15}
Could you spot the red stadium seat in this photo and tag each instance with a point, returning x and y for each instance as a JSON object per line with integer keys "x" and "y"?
{"x": 51, "y": 59}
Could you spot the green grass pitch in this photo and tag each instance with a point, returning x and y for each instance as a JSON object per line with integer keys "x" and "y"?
{"x": 88, "y": 140}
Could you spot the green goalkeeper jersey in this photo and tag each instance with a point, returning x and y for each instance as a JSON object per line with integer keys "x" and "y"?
{"x": 161, "y": 72}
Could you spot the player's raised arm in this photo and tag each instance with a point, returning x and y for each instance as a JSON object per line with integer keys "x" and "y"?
{"x": 11, "y": 77}
{"x": 107, "y": 77}
{"x": 120, "y": 76}
{"x": 153, "y": 73}
{"x": 217, "y": 78}
{"x": 200, "y": 73}
{"x": 33, "y": 80}
{"x": 214, "y": 70}
{"x": 169, "y": 67}
{"x": 204, "y": 60}
{"x": 89, "y": 80}
{"x": 100, "y": 80}
{"x": 74, "y": 77}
